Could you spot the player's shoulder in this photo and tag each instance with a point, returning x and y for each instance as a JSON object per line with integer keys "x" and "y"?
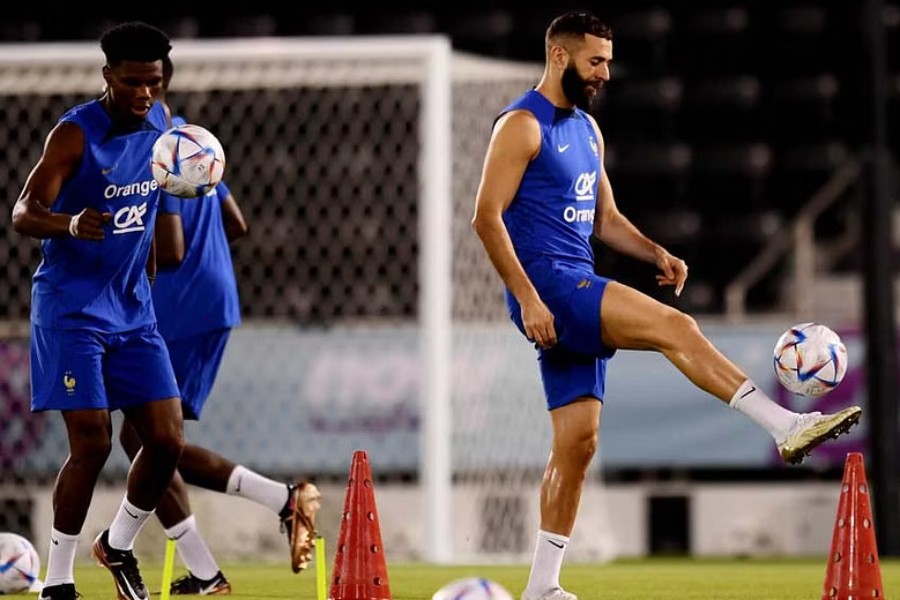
{"x": 592, "y": 122}
{"x": 587, "y": 117}
{"x": 85, "y": 115}
{"x": 90, "y": 118}
{"x": 65, "y": 143}
{"x": 527, "y": 107}
{"x": 518, "y": 127}
{"x": 517, "y": 118}
{"x": 81, "y": 110}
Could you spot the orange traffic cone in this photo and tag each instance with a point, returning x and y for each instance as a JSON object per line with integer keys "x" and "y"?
{"x": 360, "y": 572}
{"x": 853, "y": 570}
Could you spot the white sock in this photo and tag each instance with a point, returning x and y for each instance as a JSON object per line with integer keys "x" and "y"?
{"x": 127, "y": 524}
{"x": 763, "y": 411}
{"x": 253, "y": 486}
{"x": 549, "y": 551}
{"x": 61, "y": 561}
{"x": 192, "y": 549}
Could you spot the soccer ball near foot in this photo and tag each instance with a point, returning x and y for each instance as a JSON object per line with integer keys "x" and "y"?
{"x": 810, "y": 359}
{"x": 19, "y": 564}
{"x": 472, "y": 588}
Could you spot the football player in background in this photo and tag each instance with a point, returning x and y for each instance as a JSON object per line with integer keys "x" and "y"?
{"x": 195, "y": 296}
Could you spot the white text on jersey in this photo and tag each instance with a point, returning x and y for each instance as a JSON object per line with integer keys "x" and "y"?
{"x": 576, "y": 215}
{"x": 140, "y": 188}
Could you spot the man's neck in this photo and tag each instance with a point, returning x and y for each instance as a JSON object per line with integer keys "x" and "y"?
{"x": 552, "y": 91}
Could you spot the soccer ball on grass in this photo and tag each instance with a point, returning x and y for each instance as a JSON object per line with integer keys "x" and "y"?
{"x": 472, "y": 588}
{"x": 19, "y": 565}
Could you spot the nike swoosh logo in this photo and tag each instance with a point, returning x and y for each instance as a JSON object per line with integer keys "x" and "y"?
{"x": 128, "y": 512}
{"x": 204, "y": 591}
{"x": 130, "y": 592}
{"x": 237, "y": 488}
{"x": 107, "y": 170}
{"x": 178, "y": 537}
{"x": 748, "y": 392}
{"x": 557, "y": 544}
{"x": 55, "y": 542}
{"x": 563, "y": 148}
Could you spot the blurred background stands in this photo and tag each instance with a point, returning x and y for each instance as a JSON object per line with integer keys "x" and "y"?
{"x": 722, "y": 120}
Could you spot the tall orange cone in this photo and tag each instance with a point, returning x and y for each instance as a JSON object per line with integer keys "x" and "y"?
{"x": 360, "y": 571}
{"x": 853, "y": 571}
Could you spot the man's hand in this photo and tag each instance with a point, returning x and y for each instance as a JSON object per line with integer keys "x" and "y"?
{"x": 538, "y": 322}
{"x": 88, "y": 224}
{"x": 674, "y": 270}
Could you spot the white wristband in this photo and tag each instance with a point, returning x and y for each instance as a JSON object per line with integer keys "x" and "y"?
{"x": 73, "y": 226}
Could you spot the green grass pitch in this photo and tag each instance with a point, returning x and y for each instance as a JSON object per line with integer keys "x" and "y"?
{"x": 649, "y": 579}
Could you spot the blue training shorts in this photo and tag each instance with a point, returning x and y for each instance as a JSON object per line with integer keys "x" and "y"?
{"x": 576, "y": 366}
{"x": 196, "y": 360}
{"x": 74, "y": 369}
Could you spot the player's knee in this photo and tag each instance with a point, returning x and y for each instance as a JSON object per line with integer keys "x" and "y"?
{"x": 92, "y": 451}
{"x": 165, "y": 444}
{"x": 578, "y": 448}
{"x": 678, "y": 327}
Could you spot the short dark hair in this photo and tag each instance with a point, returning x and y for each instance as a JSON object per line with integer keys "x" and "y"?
{"x": 578, "y": 24}
{"x": 135, "y": 41}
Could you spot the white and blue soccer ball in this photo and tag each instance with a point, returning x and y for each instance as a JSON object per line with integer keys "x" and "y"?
{"x": 472, "y": 588}
{"x": 20, "y": 566}
{"x": 188, "y": 161}
{"x": 810, "y": 359}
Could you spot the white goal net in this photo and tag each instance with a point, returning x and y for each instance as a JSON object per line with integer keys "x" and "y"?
{"x": 372, "y": 318}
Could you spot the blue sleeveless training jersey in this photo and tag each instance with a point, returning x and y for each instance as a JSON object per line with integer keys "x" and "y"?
{"x": 551, "y": 216}
{"x": 201, "y": 294}
{"x": 550, "y": 221}
{"x": 102, "y": 285}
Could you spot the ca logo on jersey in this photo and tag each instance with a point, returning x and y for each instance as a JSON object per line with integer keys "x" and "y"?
{"x": 584, "y": 192}
{"x": 584, "y": 186}
{"x": 130, "y": 218}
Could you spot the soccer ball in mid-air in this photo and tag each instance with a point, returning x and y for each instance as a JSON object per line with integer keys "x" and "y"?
{"x": 19, "y": 564}
{"x": 472, "y": 588}
{"x": 810, "y": 359}
{"x": 188, "y": 161}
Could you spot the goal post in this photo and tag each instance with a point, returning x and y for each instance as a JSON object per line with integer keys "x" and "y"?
{"x": 436, "y": 300}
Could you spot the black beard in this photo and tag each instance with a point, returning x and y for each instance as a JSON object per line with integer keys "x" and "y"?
{"x": 575, "y": 88}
